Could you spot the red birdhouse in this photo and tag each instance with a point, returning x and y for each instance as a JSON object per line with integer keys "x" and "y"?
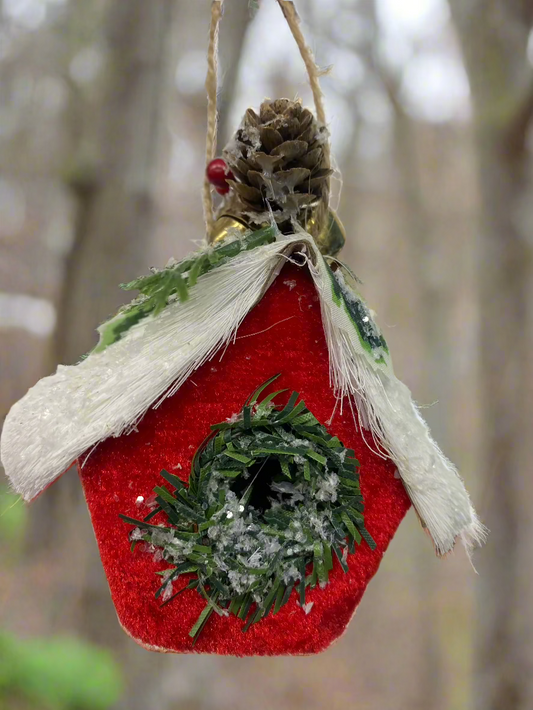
{"x": 283, "y": 331}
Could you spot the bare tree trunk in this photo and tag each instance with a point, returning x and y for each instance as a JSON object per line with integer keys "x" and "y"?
{"x": 115, "y": 204}
{"x": 494, "y": 37}
{"x": 113, "y": 193}
{"x": 433, "y": 344}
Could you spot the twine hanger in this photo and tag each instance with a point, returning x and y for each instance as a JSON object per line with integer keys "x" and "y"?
{"x": 211, "y": 85}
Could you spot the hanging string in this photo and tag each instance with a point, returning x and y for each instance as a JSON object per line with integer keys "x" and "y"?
{"x": 313, "y": 72}
{"x": 211, "y": 85}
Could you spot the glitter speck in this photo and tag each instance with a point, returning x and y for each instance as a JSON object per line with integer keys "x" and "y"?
{"x": 139, "y": 500}
{"x": 229, "y": 515}
{"x": 241, "y": 508}
{"x": 366, "y": 319}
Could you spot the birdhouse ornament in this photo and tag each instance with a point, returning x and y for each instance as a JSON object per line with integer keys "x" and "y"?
{"x": 244, "y": 446}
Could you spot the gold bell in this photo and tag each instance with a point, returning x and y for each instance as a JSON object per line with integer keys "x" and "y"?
{"x": 225, "y": 225}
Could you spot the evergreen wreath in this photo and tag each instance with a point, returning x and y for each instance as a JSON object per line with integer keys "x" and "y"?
{"x": 271, "y": 496}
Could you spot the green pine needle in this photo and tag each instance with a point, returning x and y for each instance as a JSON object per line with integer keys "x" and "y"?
{"x": 160, "y": 288}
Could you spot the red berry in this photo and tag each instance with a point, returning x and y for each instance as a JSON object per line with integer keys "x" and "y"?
{"x": 218, "y": 173}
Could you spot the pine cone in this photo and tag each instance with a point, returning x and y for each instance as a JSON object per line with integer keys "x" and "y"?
{"x": 281, "y": 167}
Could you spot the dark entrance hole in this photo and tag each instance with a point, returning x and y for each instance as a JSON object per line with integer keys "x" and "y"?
{"x": 262, "y": 475}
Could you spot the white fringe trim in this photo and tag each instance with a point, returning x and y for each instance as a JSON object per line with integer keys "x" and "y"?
{"x": 386, "y": 408}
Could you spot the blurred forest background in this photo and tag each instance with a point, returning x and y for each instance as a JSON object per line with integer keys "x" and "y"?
{"x": 102, "y": 130}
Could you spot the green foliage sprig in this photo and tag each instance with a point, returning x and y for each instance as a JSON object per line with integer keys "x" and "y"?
{"x": 272, "y": 496}
{"x": 370, "y": 336}
{"x": 160, "y": 287}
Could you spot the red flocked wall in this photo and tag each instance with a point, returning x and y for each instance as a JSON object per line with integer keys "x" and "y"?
{"x": 283, "y": 334}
